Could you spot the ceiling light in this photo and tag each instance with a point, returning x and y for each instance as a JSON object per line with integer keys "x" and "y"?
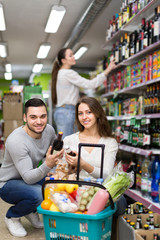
{"x": 8, "y": 76}
{"x": 80, "y": 52}
{"x": 55, "y": 18}
{"x": 43, "y": 50}
{"x": 2, "y": 20}
{"x": 37, "y": 67}
{"x": 3, "y": 50}
{"x": 8, "y": 67}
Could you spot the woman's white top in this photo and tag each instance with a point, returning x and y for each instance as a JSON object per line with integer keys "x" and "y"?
{"x": 94, "y": 158}
{"x": 69, "y": 82}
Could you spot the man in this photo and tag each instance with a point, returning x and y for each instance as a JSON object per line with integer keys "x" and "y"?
{"x": 20, "y": 176}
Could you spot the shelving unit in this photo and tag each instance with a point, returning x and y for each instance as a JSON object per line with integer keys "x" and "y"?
{"x": 137, "y": 196}
{"x": 133, "y": 23}
{"x": 147, "y": 12}
{"x": 139, "y": 151}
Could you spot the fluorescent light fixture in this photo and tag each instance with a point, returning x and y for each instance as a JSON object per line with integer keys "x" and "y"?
{"x": 37, "y": 67}
{"x": 80, "y": 52}
{"x": 8, "y": 76}
{"x": 8, "y": 67}
{"x": 43, "y": 50}
{"x": 3, "y": 50}
{"x": 2, "y": 20}
{"x": 55, "y": 18}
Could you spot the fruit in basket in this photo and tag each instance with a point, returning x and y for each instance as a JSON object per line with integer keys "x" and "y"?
{"x": 60, "y": 187}
{"x": 46, "y": 204}
{"x": 70, "y": 187}
{"x": 54, "y": 208}
{"x": 84, "y": 196}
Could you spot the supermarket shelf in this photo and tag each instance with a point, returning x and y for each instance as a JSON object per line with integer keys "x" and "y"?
{"x": 130, "y": 89}
{"x": 133, "y": 23}
{"x": 136, "y": 56}
{"x": 125, "y": 117}
{"x": 137, "y": 196}
{"x": 139, "y": 151}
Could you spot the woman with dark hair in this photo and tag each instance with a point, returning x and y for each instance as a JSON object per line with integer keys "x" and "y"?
{"x": 93, "y": 128}
{"x": 65, "y": 89}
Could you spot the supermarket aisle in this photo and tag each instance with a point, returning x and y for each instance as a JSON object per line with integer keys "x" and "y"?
{"x": 5, "y": 235}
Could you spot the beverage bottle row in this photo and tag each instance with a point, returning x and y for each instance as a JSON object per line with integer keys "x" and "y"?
{"x": 136, "y": 133}
{"x": 152, "y": 99}
{"x": 148, "y": 177}
{"x": 128, "y": 10}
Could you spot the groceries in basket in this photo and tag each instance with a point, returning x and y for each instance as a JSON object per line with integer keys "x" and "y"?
{"x": 73, "y": 197}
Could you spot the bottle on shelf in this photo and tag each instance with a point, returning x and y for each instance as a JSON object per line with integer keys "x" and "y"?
{"x": 155, "y": 179}
{"x": 146, "y": 36}
{"x": 58, "y": 143}
{"x": 147, "y": 135}
{"x": 150, "y": 32}
{"x": 138, "y": 174}
{"x": 156, "y": 25}
{"x": 127, "y": 46}
{"x": 150, "y": 176}
{"x": 144, "y": 177}
{"x": 117, "y": 53}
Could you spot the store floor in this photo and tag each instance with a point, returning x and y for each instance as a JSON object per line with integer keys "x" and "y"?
{"x": 4, "y": 233}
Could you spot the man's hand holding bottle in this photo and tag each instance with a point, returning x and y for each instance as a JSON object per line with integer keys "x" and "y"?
{"x": 52, "y": 159}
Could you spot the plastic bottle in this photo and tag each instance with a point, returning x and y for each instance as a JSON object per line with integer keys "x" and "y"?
{"x": 144, "y": 177}
{"x": 150, "y": 177}
{"x": 156, "y": 179}
{"x": 99, "y": 202}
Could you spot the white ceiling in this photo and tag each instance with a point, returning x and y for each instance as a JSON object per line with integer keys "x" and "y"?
{"x": 26, "y": 21}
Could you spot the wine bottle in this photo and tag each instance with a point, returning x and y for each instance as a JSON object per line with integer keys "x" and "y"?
{"x": 156, "y": 26}
{"x": 58, "y": 143}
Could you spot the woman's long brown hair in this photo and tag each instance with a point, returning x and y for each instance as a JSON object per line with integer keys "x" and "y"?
{"x": 57, "y": 65}
{"x": 103, "y": 126}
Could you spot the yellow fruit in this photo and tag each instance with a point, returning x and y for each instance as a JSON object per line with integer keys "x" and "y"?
{"x": 70, "y": 187}
{"x": 54, "y": 208}
{"x": 60, "y": 187}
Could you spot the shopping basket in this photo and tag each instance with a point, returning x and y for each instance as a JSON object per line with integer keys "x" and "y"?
{"x": 72, "y": 226}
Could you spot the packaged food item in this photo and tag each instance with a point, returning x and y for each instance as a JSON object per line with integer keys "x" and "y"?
{"x": 99, "y": 202}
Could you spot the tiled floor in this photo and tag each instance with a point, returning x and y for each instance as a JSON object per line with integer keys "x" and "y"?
{"x": 33, "y": 233}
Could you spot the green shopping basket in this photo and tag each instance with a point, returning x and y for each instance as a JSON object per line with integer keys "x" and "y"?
{"x": 72, "y": 226}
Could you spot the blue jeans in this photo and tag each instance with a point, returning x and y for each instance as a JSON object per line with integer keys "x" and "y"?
{"x": 25, "y": 198}
{"x": 121, "y": 206}
{"x": 64, "y": 118}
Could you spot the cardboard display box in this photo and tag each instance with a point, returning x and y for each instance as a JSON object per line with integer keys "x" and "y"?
{"x": 125, "y": 231}
{"x": 9, "y": 126}
{"x": 149, "y": 234}
{"x": 12, "y": 111}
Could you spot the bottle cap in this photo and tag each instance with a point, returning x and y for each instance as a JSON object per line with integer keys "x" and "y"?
{"x": 99, "y": 180}
{"x": 87, "y": 179}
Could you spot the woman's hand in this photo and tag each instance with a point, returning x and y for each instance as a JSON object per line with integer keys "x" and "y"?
{"x": 110, "y": 67}
{"x": 73, "y": 161}
{"x": 52, "y": 159}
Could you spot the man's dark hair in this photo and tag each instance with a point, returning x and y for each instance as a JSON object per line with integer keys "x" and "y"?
{"x": 34, "y": 102}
